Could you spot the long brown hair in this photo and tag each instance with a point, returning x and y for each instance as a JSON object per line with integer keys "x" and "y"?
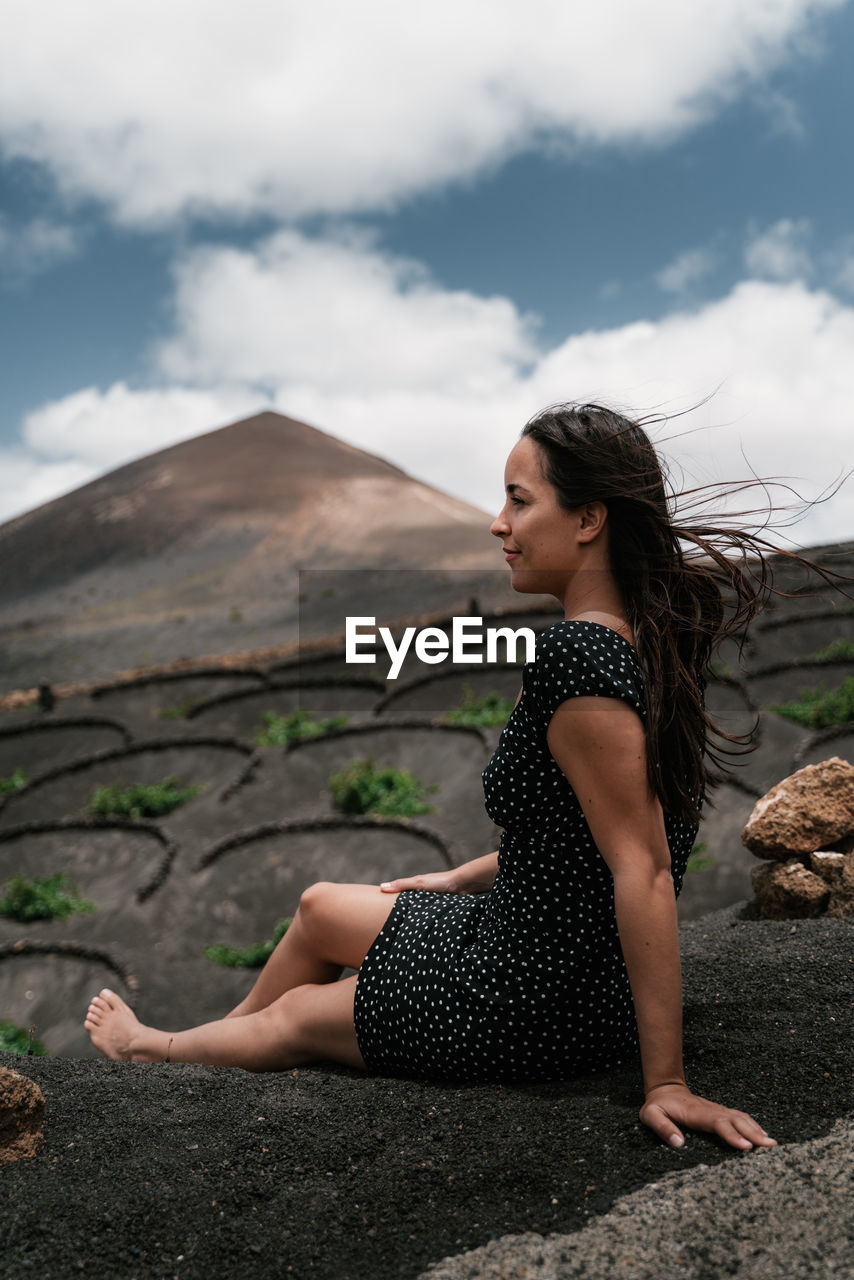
{"x": 686, "y": 586}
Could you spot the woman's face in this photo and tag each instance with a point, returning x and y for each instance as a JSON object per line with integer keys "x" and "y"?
{"x": 543, "y": 542}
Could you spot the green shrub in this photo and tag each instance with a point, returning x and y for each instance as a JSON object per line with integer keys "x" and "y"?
{"x": 487, "y": 712}
{"x": 16, "y": 1040}
{"x": 14, "y": 782}
{"x": 365, "y": 787}
{"x": 820, "y": 708}
{"x": 839, "y": 651}
{"x": 43, "y": 898}
{"x": 699, "y": 860}
{"x": 299, "y": 724}
{"x": 251, "y": 957}
{"x": 141, "y": 800}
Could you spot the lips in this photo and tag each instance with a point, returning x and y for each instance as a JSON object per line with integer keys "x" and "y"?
{"x": 510, "y": 554}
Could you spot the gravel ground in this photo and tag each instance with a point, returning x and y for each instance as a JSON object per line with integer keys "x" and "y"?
{"x": 160, "y": 1171}
{"x": 785, "y": 1215}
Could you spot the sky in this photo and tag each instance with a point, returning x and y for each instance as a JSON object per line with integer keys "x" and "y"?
{"x": 413, "y": 226}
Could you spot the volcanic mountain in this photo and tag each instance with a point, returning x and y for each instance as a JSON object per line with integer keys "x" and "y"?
{"x": 195, "y": 550}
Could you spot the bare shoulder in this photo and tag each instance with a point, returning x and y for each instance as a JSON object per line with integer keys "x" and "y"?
{"x": 599, "y": 731}
{"x": 613, "y": 621}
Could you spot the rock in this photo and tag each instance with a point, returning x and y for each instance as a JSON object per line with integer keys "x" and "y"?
{"x": 842, "y": 890}
{"x": 21, "y": 1112}
{"x": 809, "y": 810}
{"x": 788, "y": 890}
{"x": 828, "y": 864}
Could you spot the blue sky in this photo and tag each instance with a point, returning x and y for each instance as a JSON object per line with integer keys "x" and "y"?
{"x": 412, "y": 229}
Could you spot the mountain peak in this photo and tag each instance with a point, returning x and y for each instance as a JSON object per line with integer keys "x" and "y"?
{"x": 217, "y": 526}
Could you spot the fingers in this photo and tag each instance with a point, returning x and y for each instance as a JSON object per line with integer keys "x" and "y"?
{"x": 435, "y": 882}
{"x": 735, "y": 1128}
{"x": 398, "y": 886}
{"x": 662, "y": 1126}
{"x": 742, "y": 1131}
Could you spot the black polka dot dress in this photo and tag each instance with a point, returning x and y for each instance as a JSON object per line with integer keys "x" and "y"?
{"x": 526, "y": 981}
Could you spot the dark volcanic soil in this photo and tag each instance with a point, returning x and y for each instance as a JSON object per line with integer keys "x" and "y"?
{"x": 155, "y": 1171}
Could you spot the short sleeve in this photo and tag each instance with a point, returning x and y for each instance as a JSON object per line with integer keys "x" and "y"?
{"x": 577, "y": 659}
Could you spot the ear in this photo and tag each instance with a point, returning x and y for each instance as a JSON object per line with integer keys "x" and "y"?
{"x": 591, "y": 520}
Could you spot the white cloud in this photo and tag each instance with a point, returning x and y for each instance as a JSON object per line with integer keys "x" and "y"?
{"x": 109, "y": 428}
{"x": 686, "y": 269}
{"x": 772, "y": 357}
{"x": 778, "y": 352}
{"x": 781, "y": 252}
{"x": 838, "y": 264}
{"x": 35, "y": 246}
{"x": 70, "y": 441}
{"x": 27, "y": 480}
{"x": 336, "y": 313}
{"x": 324, "y": 105}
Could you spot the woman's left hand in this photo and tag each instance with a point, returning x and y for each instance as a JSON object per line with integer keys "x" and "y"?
{"x": 669, "y": 1105}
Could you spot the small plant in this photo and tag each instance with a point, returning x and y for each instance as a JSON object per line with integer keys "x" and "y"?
{"x": 14, "y": 782}
{"x": 720, "y": 669}
{"x": 178, "y": 713}
{"x": 42, "y": 898}
{"x": 839, "y": 651}
{"x": 820, "y": 708}
{"x": 487, "y": 712}
{"x": 16, "y": 1040}
{"x": 698, "y": 859}
{"x": 251, "y": 957}
{"x": 299, "y": 724}
{"x": 141, "y": 800}
{"x": 365, "y": 787}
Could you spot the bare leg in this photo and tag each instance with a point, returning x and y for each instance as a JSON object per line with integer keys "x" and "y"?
{"x": 306, "y": 1024}
{"x": 332, "y": 930}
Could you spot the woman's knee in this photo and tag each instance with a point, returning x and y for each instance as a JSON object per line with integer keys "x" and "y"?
{"x": 315, "y": 900}
{"x": 314, "y": 1022}
{"x": 280, "y": 1027}
{"x": 291, "y": 1017}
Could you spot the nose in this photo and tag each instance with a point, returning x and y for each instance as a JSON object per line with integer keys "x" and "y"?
{"x": 499, "y": 526}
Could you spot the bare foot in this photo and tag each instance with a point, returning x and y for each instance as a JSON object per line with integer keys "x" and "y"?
{"x": 115, "y": 1029}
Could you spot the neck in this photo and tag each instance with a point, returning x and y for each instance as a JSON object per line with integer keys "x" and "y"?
{"x": 592, "y": 595}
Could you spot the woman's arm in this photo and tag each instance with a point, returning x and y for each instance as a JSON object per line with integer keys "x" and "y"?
{"x": 472, "y": 877}
{"x": 600, "y": 745}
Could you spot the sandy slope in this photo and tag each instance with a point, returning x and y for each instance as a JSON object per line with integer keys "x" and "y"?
{"x": 162, "y": 1170}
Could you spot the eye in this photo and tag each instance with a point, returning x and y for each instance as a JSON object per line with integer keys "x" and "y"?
{"x": 517, "y": 502}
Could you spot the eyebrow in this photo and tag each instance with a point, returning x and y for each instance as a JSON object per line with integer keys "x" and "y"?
{"x": 512, "y": 488}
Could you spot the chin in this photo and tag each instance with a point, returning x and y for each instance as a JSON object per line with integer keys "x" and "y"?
{"x": 530, "y": 582}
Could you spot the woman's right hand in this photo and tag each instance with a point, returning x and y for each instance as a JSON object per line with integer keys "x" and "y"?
{"x": 472, "y": 877}
{"x": 433, "y": 882}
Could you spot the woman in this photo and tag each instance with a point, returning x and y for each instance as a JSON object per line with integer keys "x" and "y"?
{"x": 558, "y": 954}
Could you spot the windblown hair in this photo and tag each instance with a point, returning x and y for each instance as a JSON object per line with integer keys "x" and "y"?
{"x": 686, "y": 586}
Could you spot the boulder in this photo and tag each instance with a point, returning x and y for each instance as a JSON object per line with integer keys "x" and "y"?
{"x": 788, "y": 890}
{"x": 21, "y": 1112}
{"x": 842, "y": 890}
{"x": 807, "y": 811}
